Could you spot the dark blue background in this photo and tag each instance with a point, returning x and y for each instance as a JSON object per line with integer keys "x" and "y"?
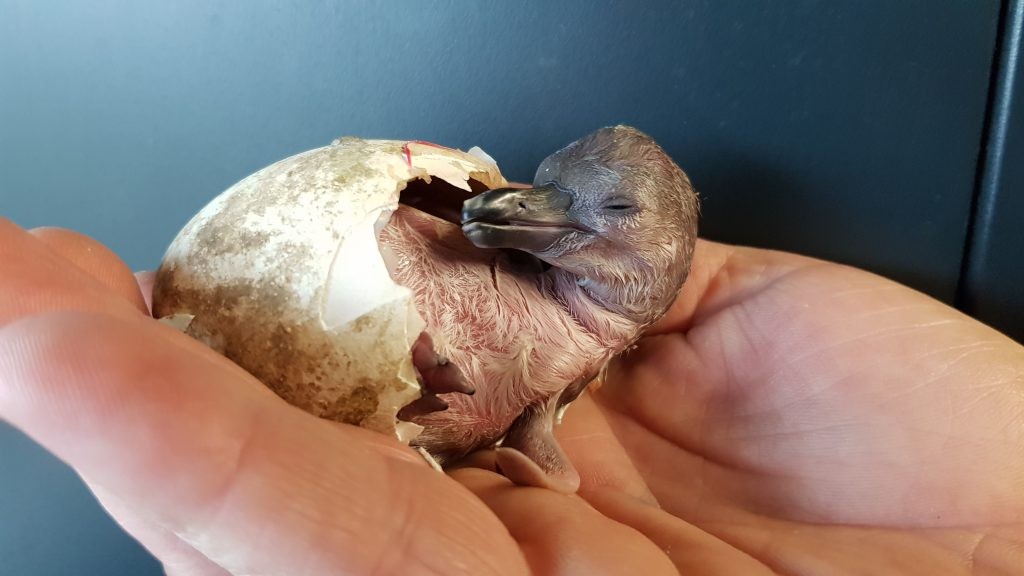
{"x": 850, "y": 130}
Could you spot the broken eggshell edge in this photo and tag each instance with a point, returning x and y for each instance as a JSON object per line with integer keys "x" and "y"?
{"x": 282, "y": 273}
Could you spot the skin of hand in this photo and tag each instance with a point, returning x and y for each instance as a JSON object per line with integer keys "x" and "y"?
{"x": 787, "y": 415}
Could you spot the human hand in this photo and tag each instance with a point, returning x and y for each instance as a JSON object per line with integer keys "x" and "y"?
{"x": 715, "y": 419}
{"x": 813, "y": 419}
{"x": 216, "y": 475}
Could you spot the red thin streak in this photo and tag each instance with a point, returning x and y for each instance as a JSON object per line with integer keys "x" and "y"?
{"x": 408, "y": 153}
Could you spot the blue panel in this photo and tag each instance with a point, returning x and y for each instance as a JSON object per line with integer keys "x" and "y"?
{"x": 994, "y": 281}
{"x": 842, "y": 129}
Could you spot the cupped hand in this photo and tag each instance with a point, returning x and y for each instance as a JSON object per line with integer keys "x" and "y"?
{"x": 813, "y": 419}
{"x": 787, "y": 415}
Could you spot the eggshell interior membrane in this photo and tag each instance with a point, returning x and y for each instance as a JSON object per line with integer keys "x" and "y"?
{"x": 282, "y": 273}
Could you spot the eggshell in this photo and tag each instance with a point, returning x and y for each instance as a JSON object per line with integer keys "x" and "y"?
{"x": 282, "y": 273}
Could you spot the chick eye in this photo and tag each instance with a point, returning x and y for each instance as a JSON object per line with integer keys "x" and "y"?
{"x": 617, "y": 206}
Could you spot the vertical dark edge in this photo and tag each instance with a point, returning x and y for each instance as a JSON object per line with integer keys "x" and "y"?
{"x": 993, "y": 146}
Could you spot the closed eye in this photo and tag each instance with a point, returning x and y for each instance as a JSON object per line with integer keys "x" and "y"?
{"x": 617, "y": 205}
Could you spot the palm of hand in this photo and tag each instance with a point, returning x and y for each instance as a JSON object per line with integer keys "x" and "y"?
{"x": 821, "y": 419}
{"x": 791, "y": 415}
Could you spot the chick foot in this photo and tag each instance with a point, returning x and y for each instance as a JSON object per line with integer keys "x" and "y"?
{"x": 436, "y": 375}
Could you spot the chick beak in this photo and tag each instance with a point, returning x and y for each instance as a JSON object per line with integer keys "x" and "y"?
{"x": 529, "y": 219}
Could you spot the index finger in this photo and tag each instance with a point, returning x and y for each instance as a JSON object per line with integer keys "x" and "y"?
{"x": 36, "y": 277}
{"x": 93, "y": 258}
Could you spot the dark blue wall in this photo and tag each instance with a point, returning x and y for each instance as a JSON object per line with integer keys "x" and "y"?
{"x": 993, "y": 283}
{"x": 849, "y": 130}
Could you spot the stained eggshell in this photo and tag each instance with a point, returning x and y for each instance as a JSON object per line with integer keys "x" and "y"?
{"x": 282, "y": 273}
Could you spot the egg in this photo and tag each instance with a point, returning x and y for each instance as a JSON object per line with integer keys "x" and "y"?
{"x": 284, "y": 275}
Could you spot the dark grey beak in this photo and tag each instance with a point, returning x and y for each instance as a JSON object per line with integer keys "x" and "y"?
{"x": 529, "y": 219}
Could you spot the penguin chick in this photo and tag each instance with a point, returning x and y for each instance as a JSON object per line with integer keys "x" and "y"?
{"x": 535, "y": 290}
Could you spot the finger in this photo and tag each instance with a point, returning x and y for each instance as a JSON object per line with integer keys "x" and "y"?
{"x": 64, "y": 286}
{"x": 613, "y": 487}
{"x": 94, "y": 259}
{"x": 193, "y": 445}
{"x": 691, "y": 550}
{"x": 561, "y": 534}
{"x": 36, "y": 279}
{"x": 611, "y": 484}
{"x": 177, "y": 557}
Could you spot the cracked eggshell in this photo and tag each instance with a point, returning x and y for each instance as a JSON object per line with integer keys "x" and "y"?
{"x": 282, "y": 273}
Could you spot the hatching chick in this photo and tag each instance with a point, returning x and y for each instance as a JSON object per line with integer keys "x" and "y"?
{"x": 535, "y": 290}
